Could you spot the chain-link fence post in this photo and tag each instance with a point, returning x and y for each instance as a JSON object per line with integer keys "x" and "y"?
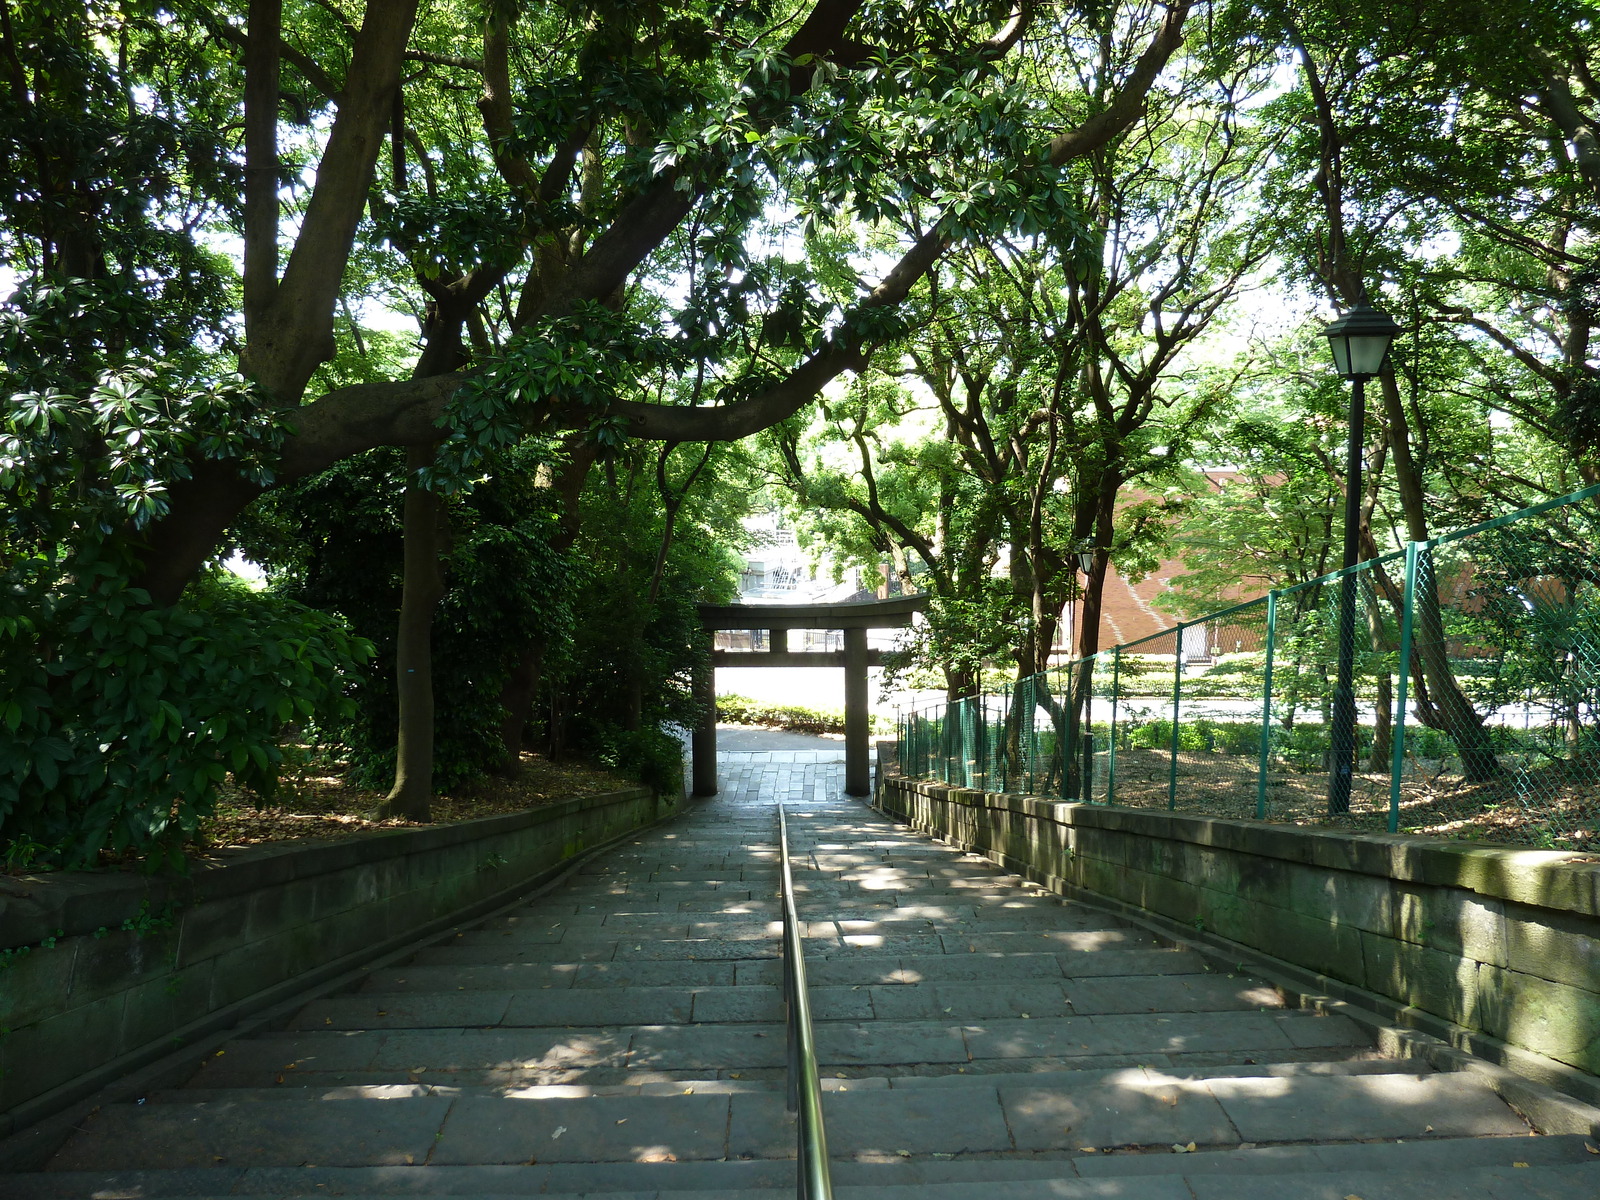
{"x": 1266, "y": 706}
{"x": 1177, "y": 698}
{"x": 1397, "y": 759}
{"x": 1116, "y": 695}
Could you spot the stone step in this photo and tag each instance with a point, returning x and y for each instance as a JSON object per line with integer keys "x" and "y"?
{"x": 591, "y": 966}
{"x": 295, "y": 1085}
{"x": 1443, "y": 1168}
{"x": 1263, "y": 1035}
{"x": 748, "y": 903}
{"x": 1021, "y": 997}
{"x": 1143, "y": 1110}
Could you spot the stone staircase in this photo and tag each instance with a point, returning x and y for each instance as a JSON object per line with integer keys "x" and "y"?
{"x": 621, "y": 1037}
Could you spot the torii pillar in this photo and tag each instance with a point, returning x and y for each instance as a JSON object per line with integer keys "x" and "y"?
{"x": 854, "y": 619}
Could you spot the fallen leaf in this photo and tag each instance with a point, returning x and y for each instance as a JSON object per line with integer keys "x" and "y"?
{"x": 623, "y": 1121}
{"x": 1517, "y": 1164}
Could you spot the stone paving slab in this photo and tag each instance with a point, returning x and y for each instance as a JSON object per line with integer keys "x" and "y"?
{"x": 1127, "y": 1112}
{"x": 1373, "y": 1106}
{"x": 862, "y": 1123}
{"x": 695, "y": 949}
{"x": 738, "y": 1004}
{"x": 984, "y": 942}
{"x": 976, "y": 967}
{"x": 405, "y": 1011}
{"x": 856, "y": 970}
{"x": 1136, "y": 1033}
{"x": 173, "y": 1135}
{"x": 1428, "y": 1158}
{"x": 484, "y": 1131}
{"x": 1086, "y": 964}
{"x": 888, "y": 1042}
{"x": 680, "y": 1047}
{"x": 602, "y": 1006}
{"x": 487, "y": 977}
{"x": 523, "y": 1048}
{"x": 1498, "y": 1183}
{"x": 642, "y": 973}
{"x": 972, "y": 1001}
{"x": 1171, "y": 994}
{"x": 459, "y": 951}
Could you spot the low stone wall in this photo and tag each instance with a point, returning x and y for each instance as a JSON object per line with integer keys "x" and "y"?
{"x": 101, "y": 973}
{"x": 1496, "y": 949}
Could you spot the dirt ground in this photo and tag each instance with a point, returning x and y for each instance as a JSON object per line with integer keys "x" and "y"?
{"x": 1552, "y": 806}
{"x": 321, "y": 804}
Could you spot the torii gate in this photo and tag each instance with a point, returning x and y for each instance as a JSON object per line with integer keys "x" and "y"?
{"x": 854, "y": 618}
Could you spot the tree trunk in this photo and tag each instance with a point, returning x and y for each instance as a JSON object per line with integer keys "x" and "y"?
{"x": 1383, "y": 725}
{"x": 424, "y": 586}
{"x": 517, "y": 699}
{"x": 1461, "y": 722}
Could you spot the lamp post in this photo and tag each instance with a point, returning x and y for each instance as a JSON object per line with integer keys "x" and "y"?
{"x": 1360, "y": 343}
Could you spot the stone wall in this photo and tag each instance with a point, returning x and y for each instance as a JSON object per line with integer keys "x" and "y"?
{"x": 101, "y": 973}
{"x": 1496, "y": 949}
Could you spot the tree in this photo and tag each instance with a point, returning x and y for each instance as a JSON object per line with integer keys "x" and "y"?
{"x": 635, "y": 148}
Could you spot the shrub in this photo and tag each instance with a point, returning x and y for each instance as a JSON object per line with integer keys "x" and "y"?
{"x": 741, "y": 710}
{"x": 121, "y": 720}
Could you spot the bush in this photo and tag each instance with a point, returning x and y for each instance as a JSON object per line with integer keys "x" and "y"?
{"x": 122, "y": 720}
{"x": 741, "y": 710}
{"x": 652, "y": 756}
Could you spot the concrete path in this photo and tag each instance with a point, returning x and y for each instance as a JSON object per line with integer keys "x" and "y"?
{"x": 621, "y": 1037}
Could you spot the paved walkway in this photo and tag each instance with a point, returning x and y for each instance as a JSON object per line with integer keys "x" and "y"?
{"x": 621, "y": 1037}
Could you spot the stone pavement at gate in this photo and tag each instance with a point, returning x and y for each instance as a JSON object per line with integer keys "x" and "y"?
{"x": 621, "y": 1036}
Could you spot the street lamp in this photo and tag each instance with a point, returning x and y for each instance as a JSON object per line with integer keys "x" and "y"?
{"x": 1360, "y": 342}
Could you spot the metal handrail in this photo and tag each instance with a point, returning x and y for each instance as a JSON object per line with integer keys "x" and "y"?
{"x": 804, "y": 1085}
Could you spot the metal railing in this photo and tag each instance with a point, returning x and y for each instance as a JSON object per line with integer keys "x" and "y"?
{"x": 1477, "y": 681}
{"x": 804, "y": 1084}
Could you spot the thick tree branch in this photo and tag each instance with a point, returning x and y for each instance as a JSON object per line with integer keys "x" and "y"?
{"x": 1127, "y": 106}
{"x": 495, "y": 106}
{"x": 309, "y": 67}
{"x": 843, "y": 352}
{"x": 297, "y": 335}
{"x": 261, "y": 160}
{"x": 1562, "y": 106}
{"x": 350, "y": 420}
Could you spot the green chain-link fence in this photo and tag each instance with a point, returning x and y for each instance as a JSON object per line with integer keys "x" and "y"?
{"x": 1491, "y": 730}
